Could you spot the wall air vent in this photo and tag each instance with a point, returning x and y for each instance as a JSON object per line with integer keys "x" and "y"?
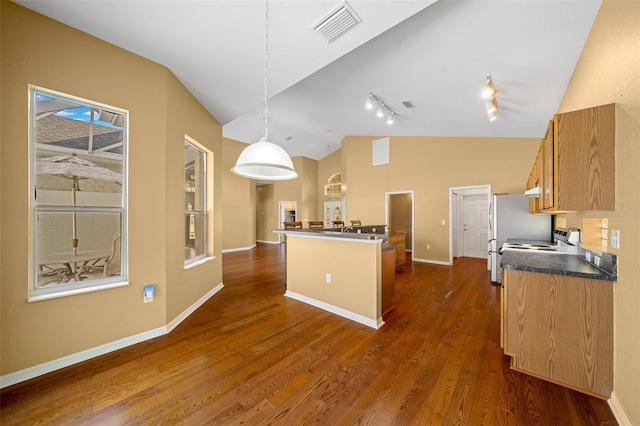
{"x": 337, "y": 22}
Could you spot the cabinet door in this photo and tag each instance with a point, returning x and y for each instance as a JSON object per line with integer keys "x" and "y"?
{"x": 586, "y": 157}
{"x": 561, "y": 328}
{"x": 548, "y": 188}
{"x": 388, "y": 280}
{"x": 536, "y": 179}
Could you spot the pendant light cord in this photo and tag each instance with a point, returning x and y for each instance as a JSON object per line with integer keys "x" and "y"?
{"x": 266, "y": 69}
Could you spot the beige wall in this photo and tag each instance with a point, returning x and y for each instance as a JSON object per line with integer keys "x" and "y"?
{"x": 302, "y": 190}
{"x": 185, "y": 116}
{"x": 609, "y": 71}
{"x": 430, "y": 166}
{"x": 37, "y": 50}
{"x": 266, "y": 215}
{"x": 327, "y": 167}
{"x": 238, "y": 201}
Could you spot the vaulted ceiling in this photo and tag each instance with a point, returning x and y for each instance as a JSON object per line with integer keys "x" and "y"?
{"x": 435, "y": 54}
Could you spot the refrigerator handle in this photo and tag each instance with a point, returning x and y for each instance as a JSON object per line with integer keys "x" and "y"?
{"x": 491, "y": 217}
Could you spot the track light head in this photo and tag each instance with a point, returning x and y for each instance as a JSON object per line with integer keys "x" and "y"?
{"x": 390, "y": 119}
{"x": 369, "y": 102}
{"x": 491, "y": 104}
{"x": 380, "y": 112}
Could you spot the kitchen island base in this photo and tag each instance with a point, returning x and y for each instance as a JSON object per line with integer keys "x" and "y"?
{"x": 340, "y": 275}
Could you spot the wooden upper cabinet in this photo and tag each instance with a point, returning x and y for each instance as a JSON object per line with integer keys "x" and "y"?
{"x": 585, "y": 144}
{"x": 536, "y": 180}
{"x": 577, "y": 162}
{"x": 548, "y": 191}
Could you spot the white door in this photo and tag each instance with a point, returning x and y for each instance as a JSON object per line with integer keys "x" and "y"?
{"x": 454, "y": 224}
{"x": 476, "y": 225}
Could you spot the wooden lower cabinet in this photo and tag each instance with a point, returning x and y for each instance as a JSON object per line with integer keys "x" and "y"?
{"x": 559, "y": 328}
{"x": 388, "y": 280}
{"x": 399, "y": 239}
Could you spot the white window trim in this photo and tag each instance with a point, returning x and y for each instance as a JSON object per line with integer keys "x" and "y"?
{"x": 206, "y": 256}
{"x": 70, "y": 289}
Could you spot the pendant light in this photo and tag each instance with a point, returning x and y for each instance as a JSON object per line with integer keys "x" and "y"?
{"x": 265, "y": 160}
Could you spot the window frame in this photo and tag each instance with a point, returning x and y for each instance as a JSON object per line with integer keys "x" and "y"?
{"x": 37, "y": 293}
{"x": 204, "y": 213}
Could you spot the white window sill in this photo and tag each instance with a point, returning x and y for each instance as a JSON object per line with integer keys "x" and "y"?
{"x": 36, "y": 296}
{"x": 198, "y": 262}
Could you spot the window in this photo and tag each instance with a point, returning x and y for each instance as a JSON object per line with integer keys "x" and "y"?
{"x": 78, "y": 187}
{"x": 195, "y": 203}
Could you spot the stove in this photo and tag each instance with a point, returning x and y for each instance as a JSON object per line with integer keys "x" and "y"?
{"x": 565, "y": 242}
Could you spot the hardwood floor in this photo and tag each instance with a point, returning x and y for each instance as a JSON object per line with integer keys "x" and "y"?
{"x": 252, "y": 356}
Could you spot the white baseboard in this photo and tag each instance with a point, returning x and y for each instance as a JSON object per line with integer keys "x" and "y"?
{"x": 618, "y": 411}
{"x": 336, "y": 310}
{"x": 268, "y": 242}
{"x": 435, "y": 262}
{"x": 191, "y": 309}
{"x": 238, "y": 249}
{"x": 47, "y": 367}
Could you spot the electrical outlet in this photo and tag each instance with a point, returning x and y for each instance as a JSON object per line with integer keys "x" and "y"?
{"x": 444, "y": 222}
{"x": 596, "y": 260}
{"x": 328, "y": 278}
{"x": 587, "y": 255}
{"x": 428, "y": 246}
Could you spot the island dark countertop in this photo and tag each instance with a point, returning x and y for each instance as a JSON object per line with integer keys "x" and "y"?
{"x": 364, "y": 232}
{"x": 552, "y": 263}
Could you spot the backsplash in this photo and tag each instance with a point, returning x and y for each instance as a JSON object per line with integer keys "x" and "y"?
{"x": 604, "y": 261}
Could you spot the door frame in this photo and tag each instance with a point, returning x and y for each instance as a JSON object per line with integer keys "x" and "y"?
{"x": 456, "y": 194}
{"x": 413, "y": 207}
{"x": 281, "y": 204}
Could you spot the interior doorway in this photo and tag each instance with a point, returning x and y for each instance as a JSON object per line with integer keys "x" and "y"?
{"x": 469, "y": 222}
{"x": 288, "y": 213}
{"x": 399, "y": 214}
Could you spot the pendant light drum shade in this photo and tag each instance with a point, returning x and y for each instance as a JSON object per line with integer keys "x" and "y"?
{"x": 264, "y": 160}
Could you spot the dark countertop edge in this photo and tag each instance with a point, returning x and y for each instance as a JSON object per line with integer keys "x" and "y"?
{"x": 332, "y": 235}
{"x": 519, "y": 263}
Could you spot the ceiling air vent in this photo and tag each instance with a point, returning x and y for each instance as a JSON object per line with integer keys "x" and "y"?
{"x": 408, "y": 104}
{"x": 337, "y": 22}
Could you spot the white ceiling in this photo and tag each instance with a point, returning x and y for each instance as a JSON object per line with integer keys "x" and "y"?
{"x": 435, "y": 53}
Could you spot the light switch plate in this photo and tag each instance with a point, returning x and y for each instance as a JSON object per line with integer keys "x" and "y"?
{"x": 615, "y": 238}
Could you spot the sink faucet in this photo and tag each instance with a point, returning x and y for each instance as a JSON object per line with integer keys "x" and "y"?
{"x": 347, "y": 229}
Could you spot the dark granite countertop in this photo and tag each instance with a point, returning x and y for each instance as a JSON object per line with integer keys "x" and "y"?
{"x": 325, "y": 232}
{"x": 364, "y": 232}
{"x": 553, "y": 263}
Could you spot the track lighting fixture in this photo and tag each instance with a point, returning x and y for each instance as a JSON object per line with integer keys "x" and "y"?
{"x": 372, "y": 100}
{"x": 491, "y": 104}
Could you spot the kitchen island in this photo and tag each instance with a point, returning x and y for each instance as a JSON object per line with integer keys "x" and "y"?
{"x": 348, "y": 274}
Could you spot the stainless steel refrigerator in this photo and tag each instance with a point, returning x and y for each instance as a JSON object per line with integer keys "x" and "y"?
{"x": 509, "y": 218}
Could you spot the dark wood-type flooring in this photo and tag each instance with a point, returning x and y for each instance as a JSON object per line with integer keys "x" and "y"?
{"x": 251, "y": 356}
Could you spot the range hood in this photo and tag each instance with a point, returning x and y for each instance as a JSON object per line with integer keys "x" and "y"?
{"x": 533, "y": 192}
